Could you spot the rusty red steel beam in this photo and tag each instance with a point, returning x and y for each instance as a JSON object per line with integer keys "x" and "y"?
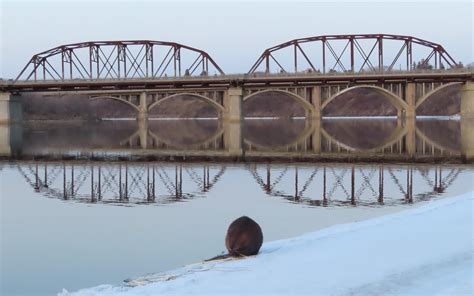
{"x": 114, "y": 63}
{"x": 442, "y": 54}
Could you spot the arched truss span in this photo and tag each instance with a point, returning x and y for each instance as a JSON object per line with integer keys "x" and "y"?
{"x": 396, "y": 101}
{"x": 353, "y": 53}
{"x": 219, "y": 108}
{"x": 118, "y": 60}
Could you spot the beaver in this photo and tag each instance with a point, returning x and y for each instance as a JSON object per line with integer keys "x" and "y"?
{"x": 244, "y": 238}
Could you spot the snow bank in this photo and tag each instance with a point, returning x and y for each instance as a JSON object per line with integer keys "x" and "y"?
{"x": 423, "y": 251}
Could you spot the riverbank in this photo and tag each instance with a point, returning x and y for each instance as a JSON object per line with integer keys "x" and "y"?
{"x": 422, "y": 251}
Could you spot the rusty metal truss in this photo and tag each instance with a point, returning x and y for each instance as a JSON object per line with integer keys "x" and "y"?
{"x": 119, "y": 60}
{"x": 353, "y": 53}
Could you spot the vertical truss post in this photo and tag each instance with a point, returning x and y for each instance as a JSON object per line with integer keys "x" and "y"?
{"x": 296, "y": 57}
{"x": 124, "y": 50}
{"x": 69, "y": 55}
{"x": 62, "y": 64}
{"x": 44, "y": 68}
{"x": 324, "y": 56}
{"x": 352, "y": 54}
{"x": 267, "y": 63}
{"x": 91, "y": 58}
{"x": 380, "y": 45}
{"x": 118, "y": 61}
{"x": 174, "y": 60}
{"x": 151, "y": 60}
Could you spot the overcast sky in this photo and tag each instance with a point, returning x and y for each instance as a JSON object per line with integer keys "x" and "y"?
{"x": 233, "y": 33}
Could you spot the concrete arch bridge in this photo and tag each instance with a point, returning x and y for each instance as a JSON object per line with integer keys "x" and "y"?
{"x": 144, "y": 73}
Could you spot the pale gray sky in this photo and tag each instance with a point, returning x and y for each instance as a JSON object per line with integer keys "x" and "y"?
{"x": 234, "y": 33}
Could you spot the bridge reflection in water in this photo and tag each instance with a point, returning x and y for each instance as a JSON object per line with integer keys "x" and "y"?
{"x": 251, "y": 139}
{"x": 120, "y": 183}
{"x": 161, "y": 183}
{"x": 355, "y": 185}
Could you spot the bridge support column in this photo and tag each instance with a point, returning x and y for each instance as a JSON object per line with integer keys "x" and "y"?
{"x": 233, "y": 104}
{"x": 143, "y": 107}
{"x": 316, "y": 101}
{"x": 410, "y": 99}
{"x": 467, "y": 101}
{"x": 10, "y": 108}
{"x": 233, "y": 137}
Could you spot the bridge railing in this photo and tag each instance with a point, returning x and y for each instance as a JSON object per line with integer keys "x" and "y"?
{"x": 252, "y": 75}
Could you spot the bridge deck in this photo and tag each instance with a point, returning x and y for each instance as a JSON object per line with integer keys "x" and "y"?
{"x": 79, "y": 85}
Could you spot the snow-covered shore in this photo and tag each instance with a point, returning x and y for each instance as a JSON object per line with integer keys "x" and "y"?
{"x": 426, "y": 250}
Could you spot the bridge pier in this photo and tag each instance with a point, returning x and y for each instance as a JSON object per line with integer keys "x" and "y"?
{"x": 10, "y": 108}
{"x": 233, "y": 104}
{"x": 142, "y": 107}
{"x": 467, "y": 101}
{"x": 316, "y": 101}
{"x": 410, "y": 99}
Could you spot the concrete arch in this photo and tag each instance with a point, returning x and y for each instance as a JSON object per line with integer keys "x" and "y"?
{"x": 306, "y": 105}
{"x": 219, "y": 108}
{"x": 117, "y": 99}
{"x": 396, "y": 101}
{"x": 429, "y": 94}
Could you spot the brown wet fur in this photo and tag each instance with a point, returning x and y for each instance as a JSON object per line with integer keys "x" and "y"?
{"x": 244, "y": 237}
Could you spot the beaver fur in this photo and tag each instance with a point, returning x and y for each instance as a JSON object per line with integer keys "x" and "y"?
{"x": 244, "y": 237}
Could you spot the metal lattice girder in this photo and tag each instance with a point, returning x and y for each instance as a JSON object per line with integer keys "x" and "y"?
{"x": 119, "y": 60}
{"x": 366, "y": 50}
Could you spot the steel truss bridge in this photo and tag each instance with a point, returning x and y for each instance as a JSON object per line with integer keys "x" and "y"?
{"x": 155, "y": 183}
{"x": 314, "y": 71}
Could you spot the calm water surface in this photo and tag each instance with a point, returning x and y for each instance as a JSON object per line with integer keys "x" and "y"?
{"x": 75, "y": 223}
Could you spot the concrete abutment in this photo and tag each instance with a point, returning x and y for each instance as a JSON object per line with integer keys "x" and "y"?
{"x": 11, "y": 110}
